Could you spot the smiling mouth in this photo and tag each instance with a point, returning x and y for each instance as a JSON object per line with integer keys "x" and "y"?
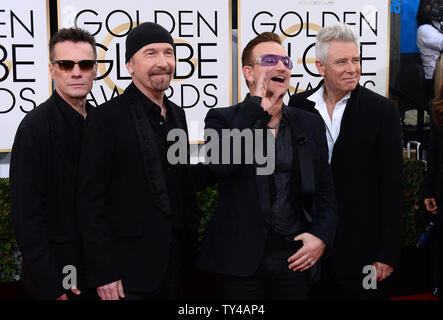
{"x": 278, "y": 79}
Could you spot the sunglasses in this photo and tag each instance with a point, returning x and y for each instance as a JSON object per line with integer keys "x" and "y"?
{"x": 269, "y": 60}
{"x": 68, "y": 65}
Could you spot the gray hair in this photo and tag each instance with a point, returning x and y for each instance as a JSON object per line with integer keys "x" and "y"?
{"x": 336, "y": 32}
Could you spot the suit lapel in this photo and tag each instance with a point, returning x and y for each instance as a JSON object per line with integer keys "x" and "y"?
{"x": 302, "y": 152}
{"x": 152, "y": 163}
{"x": 346, "y": 126}
{"x": 307, "y": 105}
{"x": 176, "y": 117}
{"x": 301, "y": 100}
{"x": 262, "y": 181}
{"x": 348, "y": 121}
{"x": 303, "y": 162}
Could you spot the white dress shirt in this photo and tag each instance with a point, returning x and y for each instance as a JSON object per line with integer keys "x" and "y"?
{"x": 332, "y": 125}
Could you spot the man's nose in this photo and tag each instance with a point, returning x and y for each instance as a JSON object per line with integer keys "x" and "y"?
{"x": 280, "y": 65}
{"x": 162, "y": 60}
{"x": 351, "y": 67}
{"x": 76, "y": 71}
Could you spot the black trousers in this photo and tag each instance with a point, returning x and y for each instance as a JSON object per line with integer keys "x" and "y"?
{"x": 435, "y": 253}
{"x": 272, "y": 281}
{"x": 168, "y": 289}
{"x": 334, "y": 287}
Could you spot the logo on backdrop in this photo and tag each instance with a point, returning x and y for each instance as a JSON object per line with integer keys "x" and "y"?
{"x": 298, "y": 30}
{"x": 16, "y": 61}
{"x": 196, "y": 61}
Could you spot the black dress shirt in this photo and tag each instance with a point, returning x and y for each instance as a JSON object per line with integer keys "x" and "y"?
{"x": 286, "y": 219}
{"x": 73, "y": 123}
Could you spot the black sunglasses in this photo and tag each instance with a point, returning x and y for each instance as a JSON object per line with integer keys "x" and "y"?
{"x": 68, "y": 65}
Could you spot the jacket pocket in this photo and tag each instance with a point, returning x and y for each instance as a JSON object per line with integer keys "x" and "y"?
{"x": 126, "y": 230}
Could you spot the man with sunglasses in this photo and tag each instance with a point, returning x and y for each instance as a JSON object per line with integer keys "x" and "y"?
{"x": 43, "y": 172}
{"x": 138, "y": 212}
{"x": 365, "y": 153}
{"x": 269, "y": 232}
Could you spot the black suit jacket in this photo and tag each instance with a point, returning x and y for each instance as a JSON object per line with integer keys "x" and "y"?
{"x": 434, "y": 174}
{"x": 367, "y": 167}
{"x": 123, "y": 202}
{"x": 235, "y": 236}
{"x": 43, "y": 185}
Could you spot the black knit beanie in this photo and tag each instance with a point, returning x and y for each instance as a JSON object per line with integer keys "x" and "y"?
{"x": 143, "y": 34}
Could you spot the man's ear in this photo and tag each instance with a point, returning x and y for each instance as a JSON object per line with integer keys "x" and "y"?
{"x": 95, "y": 70}
{"x": 51, "y": 70}
{"x": 129, "y": 66}
{"x": 247, "y": 73}
{"x": 320, "y": 67}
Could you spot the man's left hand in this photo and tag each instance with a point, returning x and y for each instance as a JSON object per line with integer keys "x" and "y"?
{"x": 382, "y": 270}
{"x": 307, "y": 255}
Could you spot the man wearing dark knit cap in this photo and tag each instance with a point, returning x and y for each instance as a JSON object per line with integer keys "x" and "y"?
{"x": 138, "y": 213}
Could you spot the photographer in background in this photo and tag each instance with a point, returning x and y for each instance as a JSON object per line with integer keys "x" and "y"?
{"x": 429, "y": 41}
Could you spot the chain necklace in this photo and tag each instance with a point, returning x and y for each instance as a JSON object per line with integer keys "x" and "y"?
{"x": 274, "y": 127}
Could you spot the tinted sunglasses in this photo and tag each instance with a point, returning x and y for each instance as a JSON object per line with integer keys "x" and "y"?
{"x": 269, "y": 60}
{"x": 68, "y": 65}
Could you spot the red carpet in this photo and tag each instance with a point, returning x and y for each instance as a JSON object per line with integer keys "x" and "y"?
{"x": 425, "y": 296}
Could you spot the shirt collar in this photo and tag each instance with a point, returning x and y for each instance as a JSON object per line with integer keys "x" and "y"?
{"x": 69, "y": 114}
{"x": 317, "y": 96}
{"x": 285, "y": 115}
{"x": 149, "y": 104}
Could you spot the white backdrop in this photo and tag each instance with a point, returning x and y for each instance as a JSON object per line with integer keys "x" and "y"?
{"x": 297, "y": 22}
{"x": 24, "y": 75}
{"x": 201, "y": 31}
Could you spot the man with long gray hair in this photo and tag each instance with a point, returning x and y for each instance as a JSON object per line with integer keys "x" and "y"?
{"x": 365, "y": 153}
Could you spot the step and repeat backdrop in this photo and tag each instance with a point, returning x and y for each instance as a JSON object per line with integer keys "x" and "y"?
{"x": 24, "y": 73}
{"x": 298, "y": 21}
{"x": 203, "y": 35}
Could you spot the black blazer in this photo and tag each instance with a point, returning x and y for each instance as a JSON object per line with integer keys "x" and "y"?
{"x": 367, "y": 168}
{"x": 434, "y": 174}
{"x": 123, "y": 202}
{"x": 235, "y": 236}
{"x": 43, "y": 180}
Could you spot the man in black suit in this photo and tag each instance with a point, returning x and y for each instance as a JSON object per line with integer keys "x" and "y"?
{"x": 138, "y": 213}
{"x": 365, "y": 153}
{"x": 269, "y": 232}
{"x": 433, "y": 191}
{"x": 43, "y": 172}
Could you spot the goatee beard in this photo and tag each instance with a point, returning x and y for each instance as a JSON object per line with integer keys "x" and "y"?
{"x": 162, "y": 85}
